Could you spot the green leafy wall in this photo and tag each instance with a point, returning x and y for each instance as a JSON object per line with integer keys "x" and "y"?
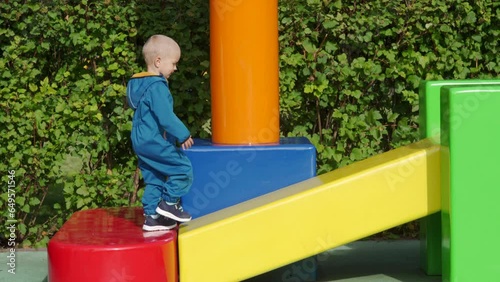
{"x": 350, "y": 70}
{"x": 349, "y": 73}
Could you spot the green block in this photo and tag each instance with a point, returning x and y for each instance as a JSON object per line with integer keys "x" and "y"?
{"x": 470, "y": 136}
{"x": 430, "y": 244}
{"x": 429, "y": 99}
{"x": 430, "y": 127}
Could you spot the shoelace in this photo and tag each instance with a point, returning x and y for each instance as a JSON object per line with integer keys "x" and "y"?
{"x": 179, "y": 207}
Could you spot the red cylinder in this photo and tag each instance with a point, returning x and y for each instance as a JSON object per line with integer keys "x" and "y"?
{"x": 106, "y": 245}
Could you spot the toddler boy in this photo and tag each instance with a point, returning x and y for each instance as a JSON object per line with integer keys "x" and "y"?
{"x": 156, "y": 131}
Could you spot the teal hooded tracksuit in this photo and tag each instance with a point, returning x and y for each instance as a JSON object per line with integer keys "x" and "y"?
{"x": 165, "y": 168}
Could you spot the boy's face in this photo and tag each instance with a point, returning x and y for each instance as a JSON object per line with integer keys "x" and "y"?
{"x": 168, "y": 63}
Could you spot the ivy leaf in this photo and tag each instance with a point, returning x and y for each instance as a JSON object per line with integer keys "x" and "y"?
{"x": 34, "y": 201}
{"x": 80, "y": 203}
{"x": 308, "y": 46}
{"x": 82, "y": 191}
{"x": 471, "y": 17}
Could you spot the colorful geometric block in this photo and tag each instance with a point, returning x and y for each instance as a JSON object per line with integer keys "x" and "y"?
{"x": 430, "y": 106}
{"x": 312, "y": 216}
{"x": 430, "y": 121}
{"x": 108, "y": 245}
{"x": 228, "y": 175}
{"x": 470, "y": 137}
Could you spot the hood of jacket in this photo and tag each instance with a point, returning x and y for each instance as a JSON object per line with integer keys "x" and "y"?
{"x": 139, "y": 84}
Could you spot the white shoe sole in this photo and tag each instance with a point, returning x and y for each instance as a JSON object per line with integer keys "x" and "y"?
{"x": 153, "y": 234}
{"x": 158, "y": 228}
{"x": 172, "y": 216}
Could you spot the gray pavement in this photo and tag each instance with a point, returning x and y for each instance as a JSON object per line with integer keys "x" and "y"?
{"x": 361, "y": 261}
{"x": 373, "y": 261}
{"x": 30, "y": 266}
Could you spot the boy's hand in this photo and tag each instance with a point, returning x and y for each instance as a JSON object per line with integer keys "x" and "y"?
{"x": 188, "y": 143}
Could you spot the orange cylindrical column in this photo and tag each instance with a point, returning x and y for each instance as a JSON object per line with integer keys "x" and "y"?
{"x": 244, "y": 71}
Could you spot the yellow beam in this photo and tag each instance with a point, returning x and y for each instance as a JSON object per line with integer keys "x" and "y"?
{"x": 312, "y": 216}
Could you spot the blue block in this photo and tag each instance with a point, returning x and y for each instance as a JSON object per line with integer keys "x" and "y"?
{"x": 228, "y": 175}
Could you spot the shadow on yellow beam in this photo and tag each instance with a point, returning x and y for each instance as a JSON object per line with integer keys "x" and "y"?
{"x": 312, "y": 216}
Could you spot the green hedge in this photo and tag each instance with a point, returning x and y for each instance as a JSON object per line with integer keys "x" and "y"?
{"x": 350, "y": 71}
{"x": 349, "y": 74}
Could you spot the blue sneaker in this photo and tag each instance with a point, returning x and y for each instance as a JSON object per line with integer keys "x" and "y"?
{"x": 158, "y": 223}
{"x": 174, "y": 212}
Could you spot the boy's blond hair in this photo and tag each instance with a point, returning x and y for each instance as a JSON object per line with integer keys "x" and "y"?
{"x": 158, "y": 46}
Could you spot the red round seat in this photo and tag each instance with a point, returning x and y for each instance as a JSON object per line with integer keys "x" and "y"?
{"x": 109, "y": 245}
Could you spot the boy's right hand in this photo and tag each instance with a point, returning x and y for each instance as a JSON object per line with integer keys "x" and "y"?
{"x": 188, "y": 143}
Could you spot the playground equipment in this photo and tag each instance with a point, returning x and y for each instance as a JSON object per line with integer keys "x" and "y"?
{"x": 430, "y": 127}
{"x": 455, "y": 172}
{"x": 109, "y": 245}
{"x": 312, "y": 216}
{"x": 244, "y": 72}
